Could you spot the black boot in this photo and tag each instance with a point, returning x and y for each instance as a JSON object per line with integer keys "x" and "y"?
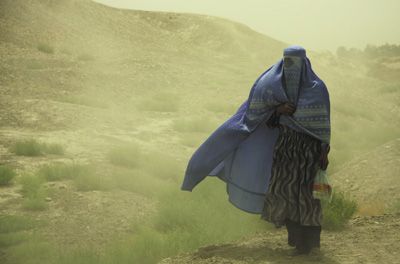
{"x": 295, "y": 238}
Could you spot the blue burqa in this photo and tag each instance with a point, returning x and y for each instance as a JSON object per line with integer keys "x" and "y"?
{"x": 240, "y": 151}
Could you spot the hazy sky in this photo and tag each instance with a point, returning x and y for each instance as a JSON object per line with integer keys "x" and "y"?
{"x": 314, "y": 24}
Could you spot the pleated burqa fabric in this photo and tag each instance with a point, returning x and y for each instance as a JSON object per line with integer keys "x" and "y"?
{"x": 295, "y": 166}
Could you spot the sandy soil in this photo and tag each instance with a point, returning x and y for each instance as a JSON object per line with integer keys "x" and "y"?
{"x": 357, "y": 244}
{"x": 136, "y": 55}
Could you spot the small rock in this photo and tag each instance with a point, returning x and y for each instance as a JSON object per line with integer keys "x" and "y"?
{"x": 48, "y": 199}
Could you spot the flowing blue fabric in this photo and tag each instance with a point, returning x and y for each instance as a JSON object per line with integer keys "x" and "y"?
{"x": 240, "y": 151}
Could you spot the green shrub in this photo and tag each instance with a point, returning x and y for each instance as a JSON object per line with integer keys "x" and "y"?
{"x": 82, "y": 256}
{"x": 391, "y": 88}
{"x": 338, "y": 212}
{"x": 162, "y": 246}
{"x": 86, "y": 57}
{"x": 6, "y": 175}
{"x": 84, "y": 101}
{"x": 32, "y": 186}
{"x": 34, "y": 251}
{"x": 184, "y": 222}
{"x": 57, "y": 172}
{"x": 16, "y": 223}
{"x": 35, "y": 204}
{"x": 27, "y": 148}
{"x": 53, "y": 148}
{"x": 91, "y": 180}
{"x": 127, "y": 156}
{"x": 34, "y": 65}
{"x": 394, "y": 208}
{"x": 33, "y": 190}
{"x": 162, "y": 166}
{"x": 85, "y": 178}
{"x": 46, "y": 48}
{"x": 66, "y": 51}
{"x": 11, "y": 239}
{"x": 141, "y": 182}
{"x": 33, "y": 147}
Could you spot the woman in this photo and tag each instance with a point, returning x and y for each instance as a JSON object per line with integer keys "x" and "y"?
{"x": 289, "y": 200}
{"x": 269, "y": 152}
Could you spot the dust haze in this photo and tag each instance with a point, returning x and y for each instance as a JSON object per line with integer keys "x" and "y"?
{"x": 130, "y": 95}
{"x": 313, "y": 24}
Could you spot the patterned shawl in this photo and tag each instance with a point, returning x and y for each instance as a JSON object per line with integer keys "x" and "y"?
{"x": 297, "y": 85}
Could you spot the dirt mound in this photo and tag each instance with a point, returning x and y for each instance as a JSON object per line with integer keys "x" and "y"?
{"x": 373, "y": 177}
{"x": 357, "y": 244}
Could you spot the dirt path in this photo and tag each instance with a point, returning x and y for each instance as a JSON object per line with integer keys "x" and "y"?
{"x": 373, "y": 239}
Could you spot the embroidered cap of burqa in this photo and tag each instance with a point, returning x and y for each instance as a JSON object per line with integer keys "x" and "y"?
{"x": 240, "y": 151}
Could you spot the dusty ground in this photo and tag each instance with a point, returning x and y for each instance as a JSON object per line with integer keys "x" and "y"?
{"x": 357, "y": 244}
{"x": 371, "y": 178}
{"x": 136, "y": 55}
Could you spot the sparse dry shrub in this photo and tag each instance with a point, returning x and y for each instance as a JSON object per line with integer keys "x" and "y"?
{"x": 46, "y": 48}
{"x": 6, "y": 175}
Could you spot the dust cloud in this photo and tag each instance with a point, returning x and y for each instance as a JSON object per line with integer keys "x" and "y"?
{"x": 131, "y": 95}
{"x": 313, "y": 24}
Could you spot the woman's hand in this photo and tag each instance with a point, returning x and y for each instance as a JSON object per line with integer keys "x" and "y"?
{"x": 323, "y": 160}
{"x": 285, "y": 109}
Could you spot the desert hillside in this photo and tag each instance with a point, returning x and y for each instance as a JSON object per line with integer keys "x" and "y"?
{"x": 129, "y": 95}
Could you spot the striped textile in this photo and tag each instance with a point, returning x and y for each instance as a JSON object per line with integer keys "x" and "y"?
{"x": 294, "y": 168}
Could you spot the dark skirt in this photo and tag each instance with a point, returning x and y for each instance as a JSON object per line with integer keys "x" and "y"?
{"x": 295, "y": 166}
